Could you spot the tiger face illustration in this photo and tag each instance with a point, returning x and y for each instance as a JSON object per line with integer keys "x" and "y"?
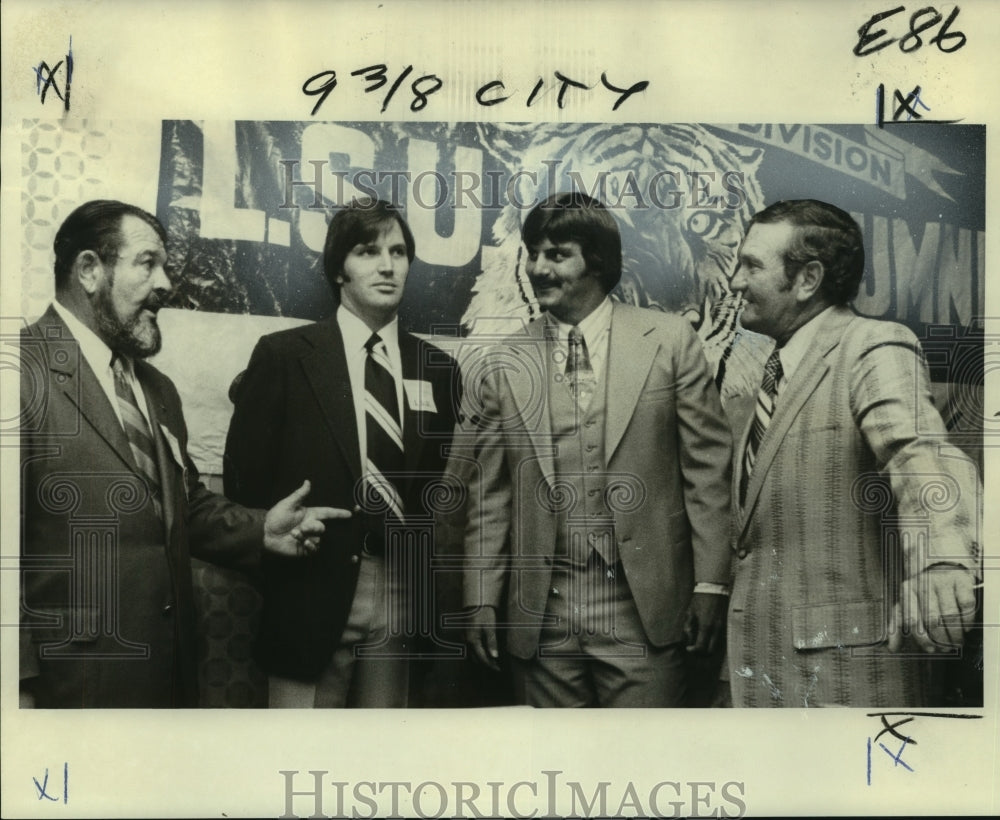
{"x": 681, "y": 194}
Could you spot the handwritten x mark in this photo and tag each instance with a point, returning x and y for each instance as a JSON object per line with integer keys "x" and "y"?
{"x": 42, "y": 788}
{"x": 908, "y": 104}
{"x": 898, "y": 757}
{"x": 892, "y": 730}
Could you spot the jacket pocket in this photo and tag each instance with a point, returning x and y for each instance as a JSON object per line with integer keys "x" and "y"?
{"x": 823, "y": 626}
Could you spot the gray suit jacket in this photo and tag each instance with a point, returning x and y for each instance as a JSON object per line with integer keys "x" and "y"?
{"x": 107, "y": 614}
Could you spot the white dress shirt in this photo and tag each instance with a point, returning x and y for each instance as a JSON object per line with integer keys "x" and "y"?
{"x": 596, "y": 330}
{"x": 98, "y": 355}
{"x": 795, "y": 348}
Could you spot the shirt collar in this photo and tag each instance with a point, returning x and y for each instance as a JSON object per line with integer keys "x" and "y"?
{"x": 796, "y": 347}
{"x": 95, "y": 351}
{"x": 592, "y": 325}
{"x": 356, "y": 333}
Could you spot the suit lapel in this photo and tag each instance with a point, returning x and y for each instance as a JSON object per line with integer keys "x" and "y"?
{"x": 630, "y": 356}
{"x": 166, "y": 457}
{"x": 413, "y": 442}
{"x": 76, "y": 380}
{"x": 738, "y": 453}
{"x": 325, "y": 366}
{"x": 807, "y": 376}
{"x": 531, "y": 402}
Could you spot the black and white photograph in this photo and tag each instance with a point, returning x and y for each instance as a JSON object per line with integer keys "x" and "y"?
{"x": 455, "y": 383}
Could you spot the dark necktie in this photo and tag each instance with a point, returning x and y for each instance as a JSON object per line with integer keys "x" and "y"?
{"x": 579, "y": 372}
{"x": 140, "y": 437}
{"x": 384, "y": 440}
{"x": 762, "y": 417}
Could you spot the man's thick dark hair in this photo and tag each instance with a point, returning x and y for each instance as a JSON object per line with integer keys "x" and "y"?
{"x": 358, "y": 224}
{"x": 576, "y": 217}
{"x": 96, "y": 226}
{"x": 826, "y": 234}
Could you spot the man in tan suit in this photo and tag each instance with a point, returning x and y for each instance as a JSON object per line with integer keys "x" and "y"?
{"x": 597, "y": 542}
{"x": 855, "y": 522}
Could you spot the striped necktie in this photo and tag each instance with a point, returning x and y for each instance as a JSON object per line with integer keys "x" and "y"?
{"x": 579, "y": 372}
{"x": 384, "y": 440}
{"x": 762, "y": 417}
{"x": 140, "y": 437}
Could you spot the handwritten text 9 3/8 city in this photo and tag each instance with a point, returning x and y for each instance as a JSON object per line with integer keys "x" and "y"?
{"x": 419, "y": 89}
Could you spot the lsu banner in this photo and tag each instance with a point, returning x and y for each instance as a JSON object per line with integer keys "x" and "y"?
{"x": 247, "y": 204}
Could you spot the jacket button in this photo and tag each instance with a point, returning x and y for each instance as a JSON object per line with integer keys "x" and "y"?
{"x": 355, "y": 559}
{"x": 741, "y": 554}
{"x": 167, "y": 609}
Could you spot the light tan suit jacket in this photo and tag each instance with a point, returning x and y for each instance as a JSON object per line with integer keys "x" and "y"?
{"x": 854, "y": 488}
{"x": 668, "y": 452}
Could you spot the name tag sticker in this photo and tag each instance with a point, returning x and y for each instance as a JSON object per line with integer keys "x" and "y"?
{"x": 419, "y": 395}
{"x": 175, "y": 450}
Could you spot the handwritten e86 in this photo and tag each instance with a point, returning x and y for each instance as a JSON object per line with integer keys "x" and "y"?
{"x": 909, "y": 38}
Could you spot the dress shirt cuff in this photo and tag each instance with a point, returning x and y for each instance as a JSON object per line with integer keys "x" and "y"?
{"x": 711, "y": 589}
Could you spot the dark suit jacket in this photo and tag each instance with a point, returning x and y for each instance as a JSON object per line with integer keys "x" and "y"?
{"x": 664, "y": 425}
{"x": 107, "y": 613}
{"x": 294, "y": 419}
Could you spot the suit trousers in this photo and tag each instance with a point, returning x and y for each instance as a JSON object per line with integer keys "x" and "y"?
{"x": 593, "y": 649}
{"x": 369, "y": 667}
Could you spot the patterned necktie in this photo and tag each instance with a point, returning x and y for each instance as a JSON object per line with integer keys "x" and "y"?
{"x": 140, "y": 438}
{"x": 384, "y": 439}
{"x": 762, "y": 417}
{"x": 579, "y": 373}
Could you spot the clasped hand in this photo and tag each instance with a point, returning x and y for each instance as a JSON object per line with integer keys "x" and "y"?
{"x": 936, "y": 607}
